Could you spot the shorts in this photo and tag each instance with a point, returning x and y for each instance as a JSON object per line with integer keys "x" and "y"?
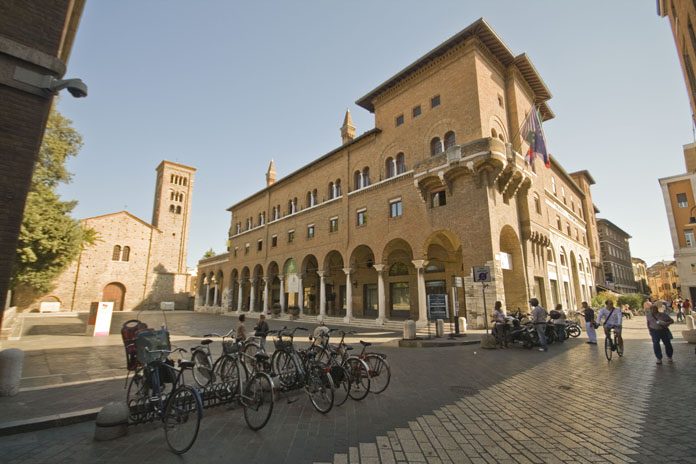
{"x": 617, "y": 329}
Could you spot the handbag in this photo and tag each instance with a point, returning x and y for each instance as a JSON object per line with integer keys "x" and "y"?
{"x": 595, "y": 324}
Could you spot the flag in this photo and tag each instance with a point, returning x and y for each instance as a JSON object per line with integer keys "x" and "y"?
{"x": 533, "y": 134}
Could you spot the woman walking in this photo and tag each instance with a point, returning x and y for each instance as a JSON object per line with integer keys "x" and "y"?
{"x": 658, "y": 326}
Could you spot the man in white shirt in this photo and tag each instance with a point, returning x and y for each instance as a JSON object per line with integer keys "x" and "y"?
{"x": 612, "y": 318}
{"x": 538, "y": 318}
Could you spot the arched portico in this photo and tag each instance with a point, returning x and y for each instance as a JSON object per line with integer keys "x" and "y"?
{"x": 309, "y": 285}
{"x": 400, "y": 281}
{"x": 257, "y": 284}
{"x": 442, "y": 251}
{"x": 364, "y": 276}
{"x": 512, "y": 264}
{"x": 333, "y": 278}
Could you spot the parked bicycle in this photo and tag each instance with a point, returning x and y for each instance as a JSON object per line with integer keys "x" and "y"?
{"x": 611, "y": 344}
{"x": 572, "y": 329}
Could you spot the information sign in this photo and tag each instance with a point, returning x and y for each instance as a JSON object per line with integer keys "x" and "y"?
{"x": 102, "y": 325}
{"x": 437, "y": 307}
{"x": 482, "y": 274}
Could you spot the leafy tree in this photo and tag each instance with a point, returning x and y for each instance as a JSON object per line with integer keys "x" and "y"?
{"x": 49, "y": 239}
{"x": 599, "y": 299}
{"x": 209, "y": 254}
{"x": 633, "y": 300}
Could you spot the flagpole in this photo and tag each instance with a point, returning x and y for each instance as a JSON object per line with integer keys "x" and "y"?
{"x": 519, "y": 128}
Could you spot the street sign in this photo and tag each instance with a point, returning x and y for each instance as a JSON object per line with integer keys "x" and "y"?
{"x": 102, "y": 324}
{"x": 437, "y": 307}
{"x": 482, "y": 274}
{"x": 457, "y": 281}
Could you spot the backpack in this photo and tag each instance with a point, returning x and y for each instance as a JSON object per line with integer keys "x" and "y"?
{"x": 554, "y": 314}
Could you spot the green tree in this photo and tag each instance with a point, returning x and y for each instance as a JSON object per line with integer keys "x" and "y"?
{"x": 209, "y": 254}
{"x": 50, "y": 239}
{"x": 599, "y": 299}
{"x": 633, "y": 300}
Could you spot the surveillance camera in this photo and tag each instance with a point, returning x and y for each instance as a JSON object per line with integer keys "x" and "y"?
{"x": 76, "y": 87}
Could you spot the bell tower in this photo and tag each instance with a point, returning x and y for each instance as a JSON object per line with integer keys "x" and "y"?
{"x": 347, "y": 129}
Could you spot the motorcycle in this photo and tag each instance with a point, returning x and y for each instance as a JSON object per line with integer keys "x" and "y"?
{"x": 572, "y": 329}
{"x": 519, "y": 333}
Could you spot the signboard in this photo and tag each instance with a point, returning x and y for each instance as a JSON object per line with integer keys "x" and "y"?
{"x": 437, "y": 306}
{"x": 505, "y": 261}
{"x": 167, "y": 306}
{"x": 102, "y": 326}
{"x": 455, "y": 303}
{"x": 293, "y": 283}
{"x": 49, "y": 306}
{"x": 482, "y": 274}
{"x": 457, "y": 281}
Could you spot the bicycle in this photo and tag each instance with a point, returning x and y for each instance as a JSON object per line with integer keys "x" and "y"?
{"x": 611, "y": 345}
{"x": 205, "y": 370}
{"x": 378, "y": 369}
{"x": 346, "y": 374}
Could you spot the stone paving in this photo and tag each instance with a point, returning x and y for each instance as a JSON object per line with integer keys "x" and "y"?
{"x": 458, "y": 404}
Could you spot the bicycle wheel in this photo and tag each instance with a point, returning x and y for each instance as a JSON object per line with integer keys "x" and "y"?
{"x": 607, "y": 348}
{"x": 341, "y": 377}
{"x": 321, "y": 355}
{"x": 359, "y": 378}
{"x": 137, "y": 394}
{"x": 320, "y": 389}
{"x": 574, "y": 331}
{"x": 258, "y": 401}
{"x": 250, "y": 349}
{"x": 380, "y": 373}
{"x": 285, "y": 368}
{"x": 182, "y": 418}
{"x": 202, "y": 370}
{"x": 229, "y": 376}
{"x": 619, "y": 348}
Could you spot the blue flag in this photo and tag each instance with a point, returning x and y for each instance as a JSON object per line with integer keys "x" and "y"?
{"x": 533, "y": 134}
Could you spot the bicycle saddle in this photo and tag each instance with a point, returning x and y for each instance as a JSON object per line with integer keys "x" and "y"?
{"x": 348, "y": 348}
{"x": 207, "y": 341}
{"x": 260, "y": 356}
{"x": 365, "y": 343}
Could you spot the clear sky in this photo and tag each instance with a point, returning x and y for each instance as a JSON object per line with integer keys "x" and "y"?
{"x": 225, "y": 86}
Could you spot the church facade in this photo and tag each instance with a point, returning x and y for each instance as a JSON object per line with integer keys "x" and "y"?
{"x": 407, "y": 209}
{"x": 135, "y": 264}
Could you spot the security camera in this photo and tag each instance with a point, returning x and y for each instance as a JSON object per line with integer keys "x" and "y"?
{"x": 76, "y": 87}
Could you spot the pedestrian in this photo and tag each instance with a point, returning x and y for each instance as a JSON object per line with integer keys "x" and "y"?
{"x": 590, "y": 323}
{"x": 687, "y": 307}
{"x": 558, "y": 319}
{"x": 538, "y": 317}
{"x": 647, "y": 305}
{"x": 500, "y": 326}
{"x": 658, "y": 326}
{"x": 680, "y": 313}
{"x": 261, "y": 331}
{"x": 241, "y": 330}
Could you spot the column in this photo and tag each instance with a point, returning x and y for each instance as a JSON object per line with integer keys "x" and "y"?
{"x": 252, "y": 296}
{"x": 215, "y": 295}
{"x": 282, "y": 293}
{"x": 207, "y": 293}
{"x": 381, "y": 300}
{"x": 300, "y": 294}
{"x": 266, "y": 307}
{"x": 422, "y": 304}
{"x": 322, "y": 294}
{"x": 239, "y": 296}
{"x": 349, "y": 295}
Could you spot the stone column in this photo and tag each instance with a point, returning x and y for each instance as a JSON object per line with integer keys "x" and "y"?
{"x": 266, "y": 284}
{"x": 349, "y": 295}
{"x": 300, "y": 294}
{"x": 215, "y": 295}
{"x": 282, "y": 293}
{"x": 381, "y": 300}
{"x": 322, "y": 294}
{"x": 422, "y": 303}
{"x": 252, "y": 296}
{"x": 207, "y": 294}
{"x": 239, "y": 295}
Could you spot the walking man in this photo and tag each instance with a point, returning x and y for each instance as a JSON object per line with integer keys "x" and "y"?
{"x": 658, "y": 326}
{"x": 588, "y": 313}
{"x": 538, "y": 317}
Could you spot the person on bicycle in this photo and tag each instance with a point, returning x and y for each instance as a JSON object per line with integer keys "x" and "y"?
{"x": 261, "y": 331}
{"x": 612, "y": 320}
{"x": 500, "y": 327}
{"x": 538, "y": 318}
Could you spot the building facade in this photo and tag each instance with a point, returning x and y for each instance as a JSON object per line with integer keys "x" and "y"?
{"x": 640, "y": 273}
{"x": 134, "y": 264}
{"x": 405, "y": 210}
{"x": 616, "y": 257}
{"x": 663, "y": 279}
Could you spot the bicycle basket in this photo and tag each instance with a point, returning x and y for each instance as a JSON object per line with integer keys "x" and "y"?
{"x": 151, "y": 340}
{"x": 230, "y": 347}
{"x": 285, "y": 344}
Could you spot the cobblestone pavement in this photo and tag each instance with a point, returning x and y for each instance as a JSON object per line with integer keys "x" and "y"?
{"x": 458, "y": 404}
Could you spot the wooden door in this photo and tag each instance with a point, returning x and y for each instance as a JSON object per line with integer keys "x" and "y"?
{"x": 115, "y": 292}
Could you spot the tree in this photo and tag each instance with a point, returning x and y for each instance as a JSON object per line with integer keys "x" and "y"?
{"x": 209, "y": 254}
{"x": 49, "y": 239}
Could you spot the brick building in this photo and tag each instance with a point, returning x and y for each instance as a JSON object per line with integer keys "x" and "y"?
{"x": 134, "y": 264}
{"x": 663, "y": 279}
{"x": 616, "y": 257}
{"x": 438, "y": 186}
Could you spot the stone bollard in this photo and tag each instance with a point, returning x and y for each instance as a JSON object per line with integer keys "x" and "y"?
{"x": 409, "y": 329}
{"x": 439, "y": 328}
{"x": 689, "y": 322}
{"x": 11, "y": 362}
{"x": 462, "y": 325}
{"x": 112, "y": 421}
{"x": 488, "y": 342}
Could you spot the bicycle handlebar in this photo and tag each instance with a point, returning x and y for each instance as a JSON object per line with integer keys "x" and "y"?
{"x": 166, "y": 351}
{"x": 215, "y": 334}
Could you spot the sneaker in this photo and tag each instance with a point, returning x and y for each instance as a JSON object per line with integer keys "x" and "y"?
{"x": 659, "y": 361}
{"x": 541, "y": 349}
{"x": 669, "y": 360}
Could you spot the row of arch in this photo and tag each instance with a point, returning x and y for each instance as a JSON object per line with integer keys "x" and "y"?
{"x": 436, "y": 146}
{"x": 178, "y": 180}
{"x": 176, "y": 196}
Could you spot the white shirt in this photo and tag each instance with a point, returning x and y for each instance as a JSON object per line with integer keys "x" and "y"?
{"x": 614, "y": 321}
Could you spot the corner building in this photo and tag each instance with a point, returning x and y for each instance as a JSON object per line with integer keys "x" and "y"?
{"x": 439, "y": 185}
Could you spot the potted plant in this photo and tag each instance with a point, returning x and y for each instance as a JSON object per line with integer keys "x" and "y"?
{"x": 294, "y": 311}
{"x": 276, "y": 309}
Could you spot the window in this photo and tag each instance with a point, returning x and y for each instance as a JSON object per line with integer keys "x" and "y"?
{"x": 553, "y": 185}
{"x": 500, "y": 101}
{"x": 563, "y": 194}
{"x": 235, "y": 251}
{"x": 291, "y": 236}
{"x": 332, "y": 191}
{"x": 362, "y": 217}
{"x": 568, "y": 229}
{"x": 172, "y": 209}
{"x": 366, "y": 177}
{"x": 259, "y": 245}
{"x": 435, "y": 146}
{"x": 537, "y": 204}
{"x": 357, "y": 180}
{"x": 682, "y": 201}
{"x": 689, "y": 238}
{"x": 400, "y": 163}
{"x": 389, "y": 167}
{"x": 238, "y": 228}
{"x": 438, "y": 199}
{"x": 435, "y": 101}
{"x": 494, "y": 133}
{"x": 337, "y": 186}
{"x": 559, "y": 226}
{"x": 333, "y": 224}
{"x": 396, "y": 208}
{"x": 310, "y": 231}
{"x": 274, "y": 241}
{"x": 262, "y": 218}
{"x": 126, "y": 254}
{"x": 450, "y": 140}
{"x": 116, "y": 255}
{"x": 416, "y": 111}
{"x": 399, "y": 119}
{"x": 246, "y": 248}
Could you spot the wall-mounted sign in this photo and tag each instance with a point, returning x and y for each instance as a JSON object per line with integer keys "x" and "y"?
{"x": 437, "y": 306}
{"x": 482, "y": 274}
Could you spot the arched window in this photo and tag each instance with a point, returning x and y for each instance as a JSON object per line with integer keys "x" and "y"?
{"x": 178, "y": 210}
{"x": 184, "y": 182}
{"x": 563, "y": 257}
{"x": 435, "y": 146}
{"x": 398, "y": 269}
{"x": 172, "y": 208}
{"x": 314, "y": 197}
{"x": 332, "y": 192}
{"x": 450, "y": 140}
{"x": 389, "y": 167}
{"x": 171, "y": 178}
{"x": 494, "y": 134}
{"x": 308, "y": 200}
{"x": 290, "y": 206}
{"x": 366, "y": 176}
{"x": 559, "y": 226}
{"x": 400, "y": 163}
{"x": 116, "y": 255}
{"x": 126, "y": 254}
{"x": 501, "y": 137}
{"x": 337, "y": 185}
{"x": 171, "y": 195}
{"x": 537, "y": 203}
{"x": 357, "y": 180}
{"x": 294, "y": 205}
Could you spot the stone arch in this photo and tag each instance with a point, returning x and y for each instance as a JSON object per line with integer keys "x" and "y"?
{"x": 246, "y": 289}
{"x": 257, "y": 289}
{"x": 220, "y": 285}
{"x": 364, "y": 280}
{"x": 514, "y": 278}
{"x": 272, "y": 273}
{"x": 334, "y": 284}
{"x": 309, "y": 285}
{"x": 400, "y": 280}
{"x": 116, "y": 293}
{"x": 496, "y": 123}
{"x": 442, "y": 255}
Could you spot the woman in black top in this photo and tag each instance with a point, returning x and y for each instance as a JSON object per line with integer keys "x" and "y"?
{"x": 589, "y": 315}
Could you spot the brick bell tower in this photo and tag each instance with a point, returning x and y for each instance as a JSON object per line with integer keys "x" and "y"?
{"x": 171, "y": 213}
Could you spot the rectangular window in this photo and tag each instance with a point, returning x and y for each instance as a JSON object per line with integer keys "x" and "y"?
{"x": 235, "y": 251}
{"x": 333, "y": 224}
{"x": 259, "y": 245}
{"x": 310, "y": 231}
{"x": 435, "y": 101}
{"x": 362, "y": 217}
{"x": 438, "y": 199}
{"x": 396, "y": 208}
{"x": 399, "y": 119}
{"x": 416, "y": 111}
{"x": 274, "y": 241}
{"x": 246, "y": 249}
{"x": 291, "y": 236}
{"x": 689, "y": 238}
{"x": 682, "y": 202}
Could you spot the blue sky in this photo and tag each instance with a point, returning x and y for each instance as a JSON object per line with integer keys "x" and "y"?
{"x": 226, "y": 86}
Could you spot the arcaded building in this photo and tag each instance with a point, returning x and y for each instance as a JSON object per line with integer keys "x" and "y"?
{"x": 406, "y": 209}
{"x": 135, "y": 264}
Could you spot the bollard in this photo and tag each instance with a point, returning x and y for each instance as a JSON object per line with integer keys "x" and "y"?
{"x": 11, "y": 361}
{"x": 112, "y": 421}
{"x": 689, "y": 322}
{"x": 439, "y": 328}
{"x": 479, "y": 322}
{"x": 462, "y": 325}
{"x": 409, "y": 329}
{"x": 488, "y": 342}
